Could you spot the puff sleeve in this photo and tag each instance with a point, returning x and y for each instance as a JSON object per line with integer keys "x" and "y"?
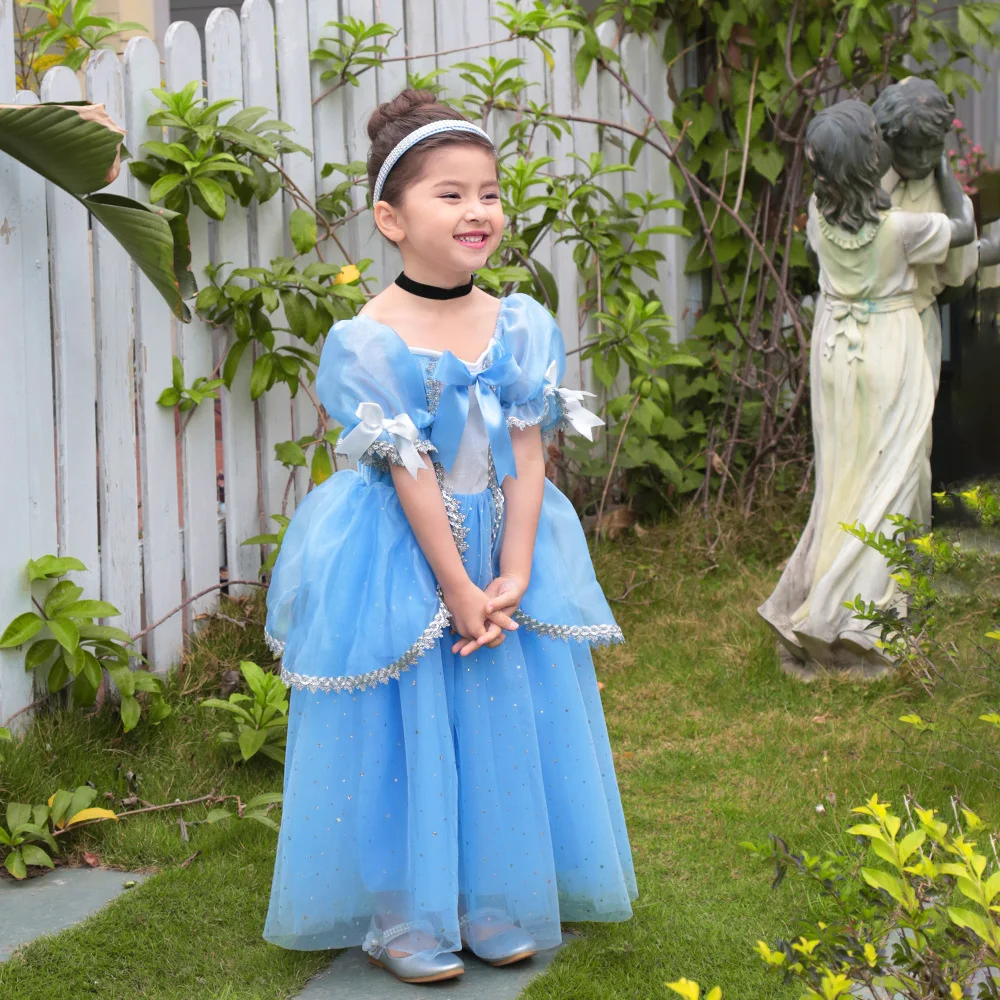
{"x": 371, "y": 384}
{"x": 536, "y": 397}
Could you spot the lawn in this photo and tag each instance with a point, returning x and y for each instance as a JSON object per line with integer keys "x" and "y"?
{"x": 713, "y": 746}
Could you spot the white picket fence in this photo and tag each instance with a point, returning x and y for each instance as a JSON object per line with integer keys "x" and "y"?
{"x": 86, "y": 454}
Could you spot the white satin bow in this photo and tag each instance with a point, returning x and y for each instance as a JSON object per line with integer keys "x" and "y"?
{"x": 579, "y": 417}
{"x": 401, "y": 429}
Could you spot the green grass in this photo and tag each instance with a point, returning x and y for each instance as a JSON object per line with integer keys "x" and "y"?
{"x": 713, "y": 746}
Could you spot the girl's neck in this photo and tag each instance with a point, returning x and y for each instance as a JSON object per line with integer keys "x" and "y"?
{"x": 428, "y": 274}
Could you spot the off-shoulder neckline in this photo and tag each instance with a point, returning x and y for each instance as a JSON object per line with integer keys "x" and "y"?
{"x": 430, "y": 352}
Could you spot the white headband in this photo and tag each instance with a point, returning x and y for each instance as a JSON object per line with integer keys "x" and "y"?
{"x": 418, "y": 135}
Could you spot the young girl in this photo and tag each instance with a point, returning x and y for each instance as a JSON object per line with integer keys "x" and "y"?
{"x": 442, "y": 789}
{"x": 872, "y": 388}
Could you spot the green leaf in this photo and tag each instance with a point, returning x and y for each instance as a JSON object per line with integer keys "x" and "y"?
{"x": 322, "y": 468}
{"x": 39, "y": 652}
{"x": 261, "y": 376}
{"x": 61, "y": 595}
{"x": 66, "y": 632}
{"x": 14, "y": 863}
{"x": 251, "y": 740}
{"x": 289, "y": 453}
{"x": 18, "y": 813}
{"x": 130, "y": 713}
{"x": 767, "y": 161}
{"x": 35, "y": 856}
{"x": 124, "y": 681}
{"x": 156, "y": 239}
{"x": 883, "y": 880}
{"x": 254, "y": 677}
{"x": 302, "y": 226}
{"x": 970, "y": 920}
{"x": 75, "y": 146}
{"x": 213, "y": 196}
{"x": 90, "y": 609}
{"x": 265, "y": 799}
{"x": 50, "y": 566}
{"x": 164, "y": 186}
{"x": 21, "y": 629}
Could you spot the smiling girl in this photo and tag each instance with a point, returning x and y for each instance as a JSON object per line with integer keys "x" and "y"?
{"x": 442, "y": 790}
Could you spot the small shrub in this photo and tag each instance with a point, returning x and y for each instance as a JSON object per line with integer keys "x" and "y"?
{"x": 261, "y": 727}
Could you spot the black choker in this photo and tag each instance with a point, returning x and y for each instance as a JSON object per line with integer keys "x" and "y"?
{"x": 432, "y": 291}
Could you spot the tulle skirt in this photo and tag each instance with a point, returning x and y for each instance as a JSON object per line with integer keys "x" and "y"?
{"x": 459, "y": 785}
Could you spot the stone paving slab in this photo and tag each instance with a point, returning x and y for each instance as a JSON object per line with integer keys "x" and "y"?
{"x": 43, "y": 905}
{"x": 350, "y": 976}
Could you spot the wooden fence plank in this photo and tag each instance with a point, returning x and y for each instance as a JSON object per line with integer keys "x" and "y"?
{"x": 36, "y": 318}
{"x": 199, "y": 490}
{"x": 74, "y": 364}
{"x": 296, "y": 109}
{"x": 161, "y": 548}
{"x": 116, "y": 438}
{"x": 390, "y": 80}
{"x": 15, "y": 684}
{"x": 239, "y": 437}
{"x": 267, "y": 241}
{"x": 564, "y": 270}
{"x": 360, "y": 233}
{"x": 421, "y": 37}
{"x": 673, "y": 284}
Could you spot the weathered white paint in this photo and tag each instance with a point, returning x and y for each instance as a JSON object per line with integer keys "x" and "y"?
{"x": 15, "y": 685}
{"x": 200, "y": 506}
{"x": 161, "y": 542}
{"x": 109, "y": 363}
{"x": 116, "y": 431}
{"x": 224, "y": 69}
{"x": 74, "y": 364}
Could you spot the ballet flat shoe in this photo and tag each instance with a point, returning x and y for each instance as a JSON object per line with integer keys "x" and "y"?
{"x": 505, "y": 948}
{"x": 419, "y": 969}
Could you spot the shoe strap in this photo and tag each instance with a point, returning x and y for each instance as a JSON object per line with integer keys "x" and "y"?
{"x": 377, "y": 940}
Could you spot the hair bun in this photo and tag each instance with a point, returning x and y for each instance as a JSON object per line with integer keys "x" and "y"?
{"x": 399, "y": 107}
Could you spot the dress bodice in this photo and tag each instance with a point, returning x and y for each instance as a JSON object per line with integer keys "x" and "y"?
{"x": 471, "y": 469}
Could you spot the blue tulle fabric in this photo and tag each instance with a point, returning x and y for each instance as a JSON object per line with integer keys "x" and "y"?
{"x": 421, "y": 786}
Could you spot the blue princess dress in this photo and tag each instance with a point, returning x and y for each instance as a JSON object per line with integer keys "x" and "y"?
{"x": 424, "y": 790}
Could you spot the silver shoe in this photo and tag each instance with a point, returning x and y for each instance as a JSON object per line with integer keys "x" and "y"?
{"x": 417, "y": 968}
{"x": 504, "y": 947}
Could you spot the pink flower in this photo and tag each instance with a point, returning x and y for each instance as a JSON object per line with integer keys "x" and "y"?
{"x": 977, "y": 149}
{"x": 957, "y": 123}
{"x": 951, "y": 152}
{"x": 963, "y": 163}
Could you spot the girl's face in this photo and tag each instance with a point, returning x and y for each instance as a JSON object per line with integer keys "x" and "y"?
{"x": 450, "y": 219}
{"x": 914, "y": 155}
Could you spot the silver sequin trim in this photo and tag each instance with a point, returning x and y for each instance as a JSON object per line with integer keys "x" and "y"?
{"x": 598, "y": 634}
{"x": 275, "y": 645}
{"x": 456, "y": 518}
{"x": 499, "y": 502}
{"x": 381, "y": 454}
{"x": 383, "y": 675}
{"x": 520, "y": 424}
{"x": 433, "y": 388}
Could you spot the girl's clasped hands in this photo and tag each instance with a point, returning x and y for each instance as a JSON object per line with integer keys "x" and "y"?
{"x": 480, "y": 616}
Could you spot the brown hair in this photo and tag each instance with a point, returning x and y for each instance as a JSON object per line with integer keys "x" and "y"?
{"x": 392, "y": 121}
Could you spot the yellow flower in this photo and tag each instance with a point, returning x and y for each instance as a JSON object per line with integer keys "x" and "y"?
{"x": 347, "y": 274}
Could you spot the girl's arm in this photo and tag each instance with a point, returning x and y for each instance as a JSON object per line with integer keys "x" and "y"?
{"x": 423, "y": 505}
{"x": 523, "y": 498}
{"x": 957, "y": 207}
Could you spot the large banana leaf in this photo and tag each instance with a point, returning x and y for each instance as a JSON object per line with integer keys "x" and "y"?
{"x": 78, "y": 147}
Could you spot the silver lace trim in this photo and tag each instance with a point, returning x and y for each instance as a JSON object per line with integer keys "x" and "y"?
{"x": 456, "y": 518}
{"x": 275, "y": 645}
{"x": 601, "y": 635}
{"x": 520, "y": 424}
{"x": 381, "y": 454}
{"x": 383, "y": 675}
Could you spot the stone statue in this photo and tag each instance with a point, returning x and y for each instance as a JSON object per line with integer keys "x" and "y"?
{"x": 915, "y": 117}
{"x": 872, "y": 387}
